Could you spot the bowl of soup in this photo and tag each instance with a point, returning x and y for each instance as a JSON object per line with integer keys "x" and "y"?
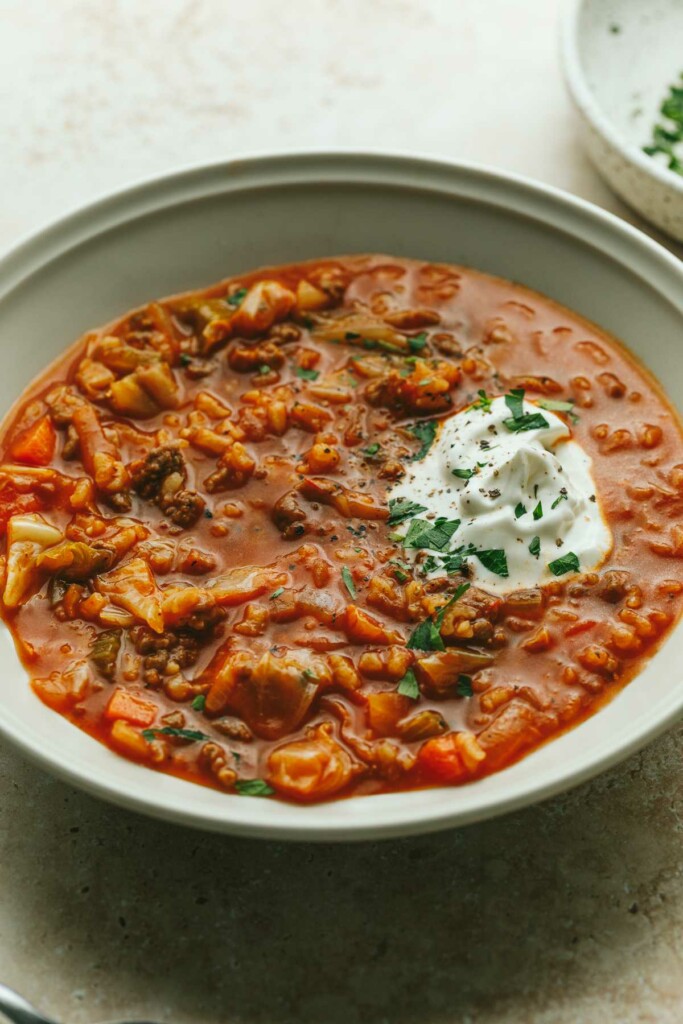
{"x": 340, "y": 495}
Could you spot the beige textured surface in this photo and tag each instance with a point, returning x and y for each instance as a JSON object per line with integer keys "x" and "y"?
{"x": 568, "y": 913}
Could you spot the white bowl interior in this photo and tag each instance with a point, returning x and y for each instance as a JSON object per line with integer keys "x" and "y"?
{"x": 631, "y": 53}
{"x": 196, "y": 228}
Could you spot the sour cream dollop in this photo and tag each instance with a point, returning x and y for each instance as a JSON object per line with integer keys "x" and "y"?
{"x": 529, "y": 493}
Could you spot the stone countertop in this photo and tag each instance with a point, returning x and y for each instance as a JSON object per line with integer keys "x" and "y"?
{"x": 570, "y": 912}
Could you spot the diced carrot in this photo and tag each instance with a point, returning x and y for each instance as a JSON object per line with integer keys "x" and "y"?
{"x": 362, "y": 628}
{"x": 133, "y": 709}
{"x": 35, "y": 446}
{"x": 440, "y": 758}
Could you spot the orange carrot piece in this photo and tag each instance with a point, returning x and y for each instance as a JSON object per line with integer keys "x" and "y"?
{"x": 131, "y": 708}
{"x": 35, "y": 446}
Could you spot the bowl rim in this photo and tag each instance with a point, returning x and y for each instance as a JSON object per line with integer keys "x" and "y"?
{"x": 532, "y": 200}
{"x": 587, "y": 104}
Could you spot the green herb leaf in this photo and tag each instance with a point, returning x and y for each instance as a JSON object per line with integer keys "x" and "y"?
{"x": 495, "y": 560}
{"x": 348, "y": 581}
{"x": 169, "y": 730}
{"x": 351, "y": 336}
{"x": 425, "y": 432}
{"x": 276, "y": 593}
{"x": 464, "y": 687}
{"x": 264, "y": 368}
{"x": 484, "y": 402}
{"x": 520, "y": 510}
{"x": 463, "y": 474}
{"x": 184, "y": 359}
{"x": 237, "y": 297}
{"x": 253, "y": 787}
{"x": 567, "y": 563}
{"x": 418, "y": 342}
{"x": 199, "y": 702}
{"x": 529, "y": 421}
{"x": 554, "y": 405}
{"x": 422, "y": 534}
{"x": 308, "y": 673}
{"x": 408, "y": 687}
{"x": 538, "y": 511}
{"x": 562, "y": 496}
{"x": 371, "y": 450}
{"x": 426, "y": 635}
{"x": 535, "y": 547}
{"x": 515, "y": 402}
{"x": 305, "y": 374}
{"x": 401, "y": 509}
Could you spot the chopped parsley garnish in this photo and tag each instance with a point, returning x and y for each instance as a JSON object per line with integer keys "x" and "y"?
{"x": 169, "y": 730}
{"x": 427, "y": 636}
{"x": 529, "y": 421}
{"x": 236, "y": 298}
{"x": 264, "y": 368}
{"x": 308, "y": 673}
{"x": 520, "y": 510}
{"x": 401, "y": 570}
{"x": 562, "y": 496}
{"x": 495, "y": 560}
{"x": 554, "y": 405}
{"x": 464, "y": 474}
{"x": 184, "y": 359}
{"x": 401, "y": 509}
{"x": 666, "y": 138}
{"x": 567, "y": 563}
{"x": 408, "y": 687}
{"x": 422, "y": 534}
{"x": 535, "y": 547}
{"x": 371, "y": 450}
{"x": 348, "y": 581}
{"x": 305, "y": 374}
{"x": 464, "y": 687}
{"x": 515, "y": 402}
{"x": 199, "y": 702}
{"x": 425, "y": 432}
{"x": 538, "y": 511}
{"x": 276, "y": 593}
{"x": 253, "y": 787}
{"x": 484, "y": 402}
{"x": 418, "y": 342}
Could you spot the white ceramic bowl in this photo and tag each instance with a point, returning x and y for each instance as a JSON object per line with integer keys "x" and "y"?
{"x": 195, "y": 227}
{"x": 620, "y": 57}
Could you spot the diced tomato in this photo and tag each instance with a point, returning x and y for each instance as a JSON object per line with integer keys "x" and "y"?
{"x": 13, "y": 502}
{"x": 440, "y": 759}
{"x": 132, "y": 709}
{"x": 35, "y": 446}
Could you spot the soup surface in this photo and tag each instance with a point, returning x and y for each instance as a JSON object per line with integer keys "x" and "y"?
{"x": 350, "y": 526}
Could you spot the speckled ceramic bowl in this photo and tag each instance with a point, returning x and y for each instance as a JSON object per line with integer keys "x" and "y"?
{"x": 620, "y": 57}
{"x": 194, "y": 227}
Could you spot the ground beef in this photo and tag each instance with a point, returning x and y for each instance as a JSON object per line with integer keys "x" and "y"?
{"x": 183, "y": 508}
{"x": 149, "y": 473}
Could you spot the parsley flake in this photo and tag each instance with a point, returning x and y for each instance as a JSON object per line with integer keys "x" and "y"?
{"x": 253, "y": 787}
{"x": 417, "y": 342}
{"x": 237, "y": 297}
{"x": 484, "y": 402}
{"x": 184, "y": 734}
{"x": 567, "y": 563}
{"x": 427, "y": 635}
{"x": 529, "y": 421}
{"x": 495, "y": 560}
{"x": 562, "y": 496}
{"x": 538, "y": 511}
{"x": 535, "y": 547}
{"x": 408, "y": 687}
{"x": 371, "y": 450}
{"x": 515, "y": 402}
{"x": 425, "y": 432}
{"x": 276, "y": 593}
{"x": 464, "y": 474}
{"x": 464, "y": 687}
{"x": 199, "y": 702}
{"x": 520, "y": 510}
{"x": 401, "y": 509}
{"x": 348, "y": 581}
{"x": 422, "y": 534}
{"x": 305, "y": 374}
